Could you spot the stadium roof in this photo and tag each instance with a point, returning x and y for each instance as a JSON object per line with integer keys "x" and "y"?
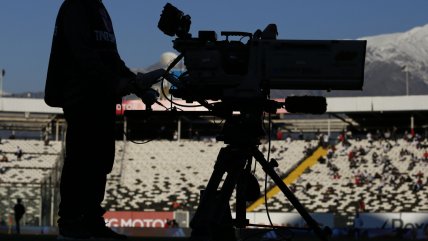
{"x": 369, "y": 111}
{"x": 375, "y": 104}
{"x": 334, "y": 104}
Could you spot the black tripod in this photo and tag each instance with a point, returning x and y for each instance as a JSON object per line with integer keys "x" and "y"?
{"x": 213, "y": 218}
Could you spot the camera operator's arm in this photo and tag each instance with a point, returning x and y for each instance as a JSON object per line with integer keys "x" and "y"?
{"x": 141, "y": 86}
{"x": 149, "y": 97}
{"x": 139, "y": 83}
{"x": 99, "y": 67}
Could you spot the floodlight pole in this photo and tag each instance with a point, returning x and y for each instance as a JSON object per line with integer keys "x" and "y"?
{"x": 329, "y": 126}
{"x": 1, "y": 81}
{"x": 407, "y": 82}
{"x": 2, "y": 74}
{"x": 125, "y": 128}
{"x": 406, "y": 71}
{"x": 179, "y": 129}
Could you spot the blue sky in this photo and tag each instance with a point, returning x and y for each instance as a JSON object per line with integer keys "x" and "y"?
{"x": 26, "y": 26}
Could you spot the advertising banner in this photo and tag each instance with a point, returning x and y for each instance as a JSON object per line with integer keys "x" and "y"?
{"x": 413, "y": 221}
{"x": 378, "y": 220}
{"x": 138, "y": 219}
{"x": 395, "y": 220}
{"x": 129, "y": 105}
{"x": 290, "y": 219}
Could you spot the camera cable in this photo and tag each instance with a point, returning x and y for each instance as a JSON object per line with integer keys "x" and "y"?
{"x": 266, "y": 175}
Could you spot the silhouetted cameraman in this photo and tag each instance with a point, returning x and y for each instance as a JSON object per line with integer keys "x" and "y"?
{"x": 87, "y": 78}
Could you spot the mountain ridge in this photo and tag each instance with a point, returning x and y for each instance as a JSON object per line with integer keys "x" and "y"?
{"x": 391, "y": 60}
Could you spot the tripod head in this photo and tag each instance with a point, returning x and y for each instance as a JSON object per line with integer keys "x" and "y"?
{"x": 244, "y": 119}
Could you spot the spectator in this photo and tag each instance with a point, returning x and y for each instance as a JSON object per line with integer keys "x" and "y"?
{"x": 351, "y": 155}
{"x": 18, "y": 153}
{"x": 308, "y": 186}
{"x": 4, "y": 158}
{"x": 418, "y": 185}
{"x": 171, "y": 223}
{"x": 386, "y": 147}
{"x": 301, "y": 135}
{"x": 196, "y": 136}
{"x": 292, "y": 188}
{"x": 325, "y": 139}
{"x": 408, "y": 136}
{"x": 19, "y": 211}
{"x": 361, "y": 205}
{"x": 349, "y": 183}
{"x": 318, "y": 186}
{"x": 167, "y": 223}
{"x": 361, "y": 151}
{"x": 348, "y": 135}
{"x": 420, "y": 174}
{"x": 46, "y": 139}
{"x": 3, "y": 170}
{"x": 175, "y": 224}
{"x": 341, "y": 138}
{"x": 175, "y": 205}
{"x": 358, "y": 225}
{"x": 317, "y": 134}
{"x": 330, "y": 153}
{"x": 190, "y": 133}
{"x": 357, "y": 180}
{"x": 273, "y": 149}
{"x": 279, "y": 134}
{"x": 369, "y": 137}
{"x": 2, "y": 221}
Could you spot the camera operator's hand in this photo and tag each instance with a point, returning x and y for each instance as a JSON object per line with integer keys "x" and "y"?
{"x": 146, "y": 80}
{"x": 139, "y": 84}
{"x": 148, "y": 96}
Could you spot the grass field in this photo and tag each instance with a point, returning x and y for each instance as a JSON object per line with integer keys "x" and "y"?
{"x": 54, "y": 238}
{"x": 5, "y": 237}
{"x": 246, "y": 234}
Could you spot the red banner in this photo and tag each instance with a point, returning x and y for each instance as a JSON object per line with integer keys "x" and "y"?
{"x": 129, "y": 105}
{"x": 137, "y": 219}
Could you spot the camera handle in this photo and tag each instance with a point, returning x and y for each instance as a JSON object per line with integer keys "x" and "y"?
{"x": 213, "y": 216}
{"x": 227, "y": 34}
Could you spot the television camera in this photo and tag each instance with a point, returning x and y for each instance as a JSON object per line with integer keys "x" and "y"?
{"x": 231, "y": 70}
{"x": 239, "y": 75}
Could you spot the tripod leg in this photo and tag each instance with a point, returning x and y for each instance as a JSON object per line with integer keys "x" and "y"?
{"x": 213, "y": 212}
{"x": 241, "y": 220}
{"x": 293, "y": 199}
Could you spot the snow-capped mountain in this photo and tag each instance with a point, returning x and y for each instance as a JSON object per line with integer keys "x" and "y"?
{"x": 391, "y": 61}
{"x": 404, "y": 49}
{"x": 394, "y": 59}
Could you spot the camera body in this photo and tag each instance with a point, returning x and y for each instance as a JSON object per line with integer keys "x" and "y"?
{"x": 233, "y": 69}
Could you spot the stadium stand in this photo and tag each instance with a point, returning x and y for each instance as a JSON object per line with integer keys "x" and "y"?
{"x": 379, "y": 176}
{"x": 156, "y": 174}
{"x": 368, "y": 176}
{"x": 375, "y": 175}
{"x": 169, "y": 175}
{"x": 23, "y": 177}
